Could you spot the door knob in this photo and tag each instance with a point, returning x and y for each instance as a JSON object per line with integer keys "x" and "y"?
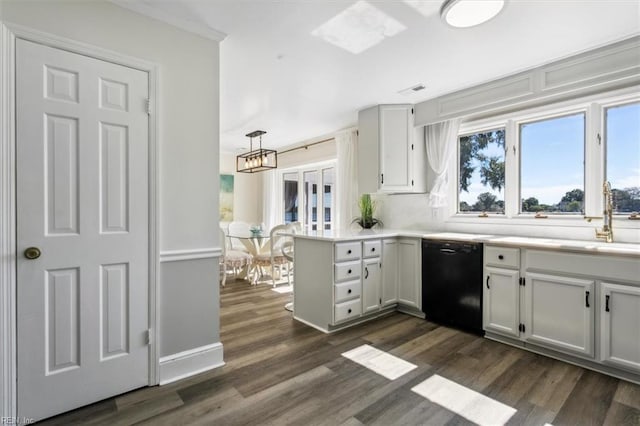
{"x": 32, "y": 253}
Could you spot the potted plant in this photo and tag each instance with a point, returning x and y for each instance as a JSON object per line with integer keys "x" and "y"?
{"x": 367, "y": 207}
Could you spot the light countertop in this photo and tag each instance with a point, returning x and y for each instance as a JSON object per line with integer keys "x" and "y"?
{"x": 594, "y": 246}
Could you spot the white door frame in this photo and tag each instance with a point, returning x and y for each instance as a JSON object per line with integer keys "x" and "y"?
{"x": 8, "y": 251}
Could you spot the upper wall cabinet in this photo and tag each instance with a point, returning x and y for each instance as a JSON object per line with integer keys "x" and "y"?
{"x": 391, "y": 152}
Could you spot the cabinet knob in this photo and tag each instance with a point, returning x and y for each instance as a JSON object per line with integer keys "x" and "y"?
{"x": 349, "y": 311}
{"x": 349, "y": 291}
{"x": 501, "y": 257}
{"x": 349, "y": 271}
{"x": 348, "y": 251}
{"x": 373, "y": 249}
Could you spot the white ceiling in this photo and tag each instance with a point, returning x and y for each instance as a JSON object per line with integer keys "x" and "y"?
{"x": 276, "y": 76}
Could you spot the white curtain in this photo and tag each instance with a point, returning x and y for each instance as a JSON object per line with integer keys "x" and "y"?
{"x": 271, "y": 196}
{"x": 440, "y": 142}
{"x": 346, "y": 177}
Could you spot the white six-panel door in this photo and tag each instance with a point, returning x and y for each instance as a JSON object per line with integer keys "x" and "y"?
{"x": 82, "y": 202}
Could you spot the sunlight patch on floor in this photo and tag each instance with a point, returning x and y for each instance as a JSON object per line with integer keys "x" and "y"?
{"x": 380, "y": 362}
{"x": 282, "y": 289}
{"x": 463, "y": 401}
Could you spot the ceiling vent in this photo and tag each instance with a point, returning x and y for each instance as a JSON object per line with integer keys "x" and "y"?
{"x": 413, "y": 89}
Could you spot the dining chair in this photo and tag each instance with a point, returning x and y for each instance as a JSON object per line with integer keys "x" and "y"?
{"x": 238, "y": 228}
{"x": 274, "y": 259}
{"x": 232, "y": 259}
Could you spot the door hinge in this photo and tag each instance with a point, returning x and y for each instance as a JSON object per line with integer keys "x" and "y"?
{"x": 149, "y": 337}
{"x": 148, "y": 106}
{"x": 521, "y": 328}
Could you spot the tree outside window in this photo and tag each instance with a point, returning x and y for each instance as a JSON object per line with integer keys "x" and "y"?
{"x": 481, "y": 172}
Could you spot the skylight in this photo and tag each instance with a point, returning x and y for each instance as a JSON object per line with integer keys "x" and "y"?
{"x": 358, "y": 28}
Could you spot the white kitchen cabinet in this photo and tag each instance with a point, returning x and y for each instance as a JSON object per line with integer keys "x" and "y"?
{"x": 389, "y": 271}
{"x": 560, "y": 312}
{"x": 391, "y": 152}
{"x": 371, "y": 281}
{"x": 620, "y": 325}
{"x": 410, "y": 273}
{"x": 501, "y": 301}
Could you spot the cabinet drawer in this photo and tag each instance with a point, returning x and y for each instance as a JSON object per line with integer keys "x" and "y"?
{"x": 347, "y": 271}
{"x": 372, "y": 248}
{"x": 347, "y": 310}
{"x": 347, "y": 251}
{"x": 348, "y": 290}
{"x": 502, "y": 257}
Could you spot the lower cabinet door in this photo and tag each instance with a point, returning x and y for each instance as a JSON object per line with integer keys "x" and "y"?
{"x": 501, "y": 296}
{"x": 389, "y": 272}
{"x": 620, "y": 326}
{"x": 371, "y": 280}
{"x": 409, "y": 272}
{"x": 560, "y": 313}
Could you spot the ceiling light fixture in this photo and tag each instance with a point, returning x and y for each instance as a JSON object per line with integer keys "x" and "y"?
{"x": 469, "y": 13}
{"x": 257, "y": 160}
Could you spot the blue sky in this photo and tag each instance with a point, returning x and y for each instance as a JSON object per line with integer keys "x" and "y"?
{"x": 552, "y": 158}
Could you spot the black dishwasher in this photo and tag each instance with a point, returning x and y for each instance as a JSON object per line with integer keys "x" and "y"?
{"x": 452, "y": 284}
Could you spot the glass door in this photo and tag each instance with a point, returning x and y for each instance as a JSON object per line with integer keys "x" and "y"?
{"x": 310, "y": 182}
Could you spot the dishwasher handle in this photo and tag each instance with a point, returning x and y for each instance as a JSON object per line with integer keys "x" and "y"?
{"x": 448, "y": 251}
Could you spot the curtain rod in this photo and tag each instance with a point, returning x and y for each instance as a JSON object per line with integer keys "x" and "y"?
{"x": 305, "y": 146}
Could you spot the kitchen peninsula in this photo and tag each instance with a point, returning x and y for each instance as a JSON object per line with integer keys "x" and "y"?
{"x": 578, "y": 301}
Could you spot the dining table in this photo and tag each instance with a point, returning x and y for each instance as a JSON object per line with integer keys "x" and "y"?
{"x": 256, "y": 242}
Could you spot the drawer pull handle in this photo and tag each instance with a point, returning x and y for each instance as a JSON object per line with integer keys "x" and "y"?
{"x": 349, "y": 311}
{"x": 488, "y": 276}
{"x": 586, "y": 298}
{"x": 349, "y": 292}
{"x": 366, "y": 273}
{"x": 606, "y": 303}
{"x": 500, "y": 257}
{"x": 349, "y": 251}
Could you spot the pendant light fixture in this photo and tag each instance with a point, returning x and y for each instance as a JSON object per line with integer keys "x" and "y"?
{"x": 469, "y": 13}
{"x": 257, "y": 160}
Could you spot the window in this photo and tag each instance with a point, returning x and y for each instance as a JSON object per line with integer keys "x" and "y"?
{"x": 328, "y": 180}
{"x": 551, "y": 162}
{"x": 622, "y": 135}
{"x": 311, "y": 200}
{"x": 552, "y": 165}
{"x": 481, "y": 175}
{"x": 309, "y": 196}
{"x": 290, "y": 191}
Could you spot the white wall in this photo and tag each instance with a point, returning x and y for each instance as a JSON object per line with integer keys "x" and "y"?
{"x": 188, "y": 147}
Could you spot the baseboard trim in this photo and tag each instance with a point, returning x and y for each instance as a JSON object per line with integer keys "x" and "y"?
{"x": 189, "y": 363}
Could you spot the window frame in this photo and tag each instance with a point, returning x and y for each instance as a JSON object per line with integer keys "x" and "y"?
{"x": 594, "y": 108}
{"x": 545, "y": 117}
{"x": 457, "y": 168}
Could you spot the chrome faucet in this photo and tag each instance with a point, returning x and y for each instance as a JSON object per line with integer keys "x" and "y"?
{"x": 606, "y": 233}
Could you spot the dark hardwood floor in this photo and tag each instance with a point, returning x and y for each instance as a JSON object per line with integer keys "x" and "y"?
{"x": 279, "y": 371}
